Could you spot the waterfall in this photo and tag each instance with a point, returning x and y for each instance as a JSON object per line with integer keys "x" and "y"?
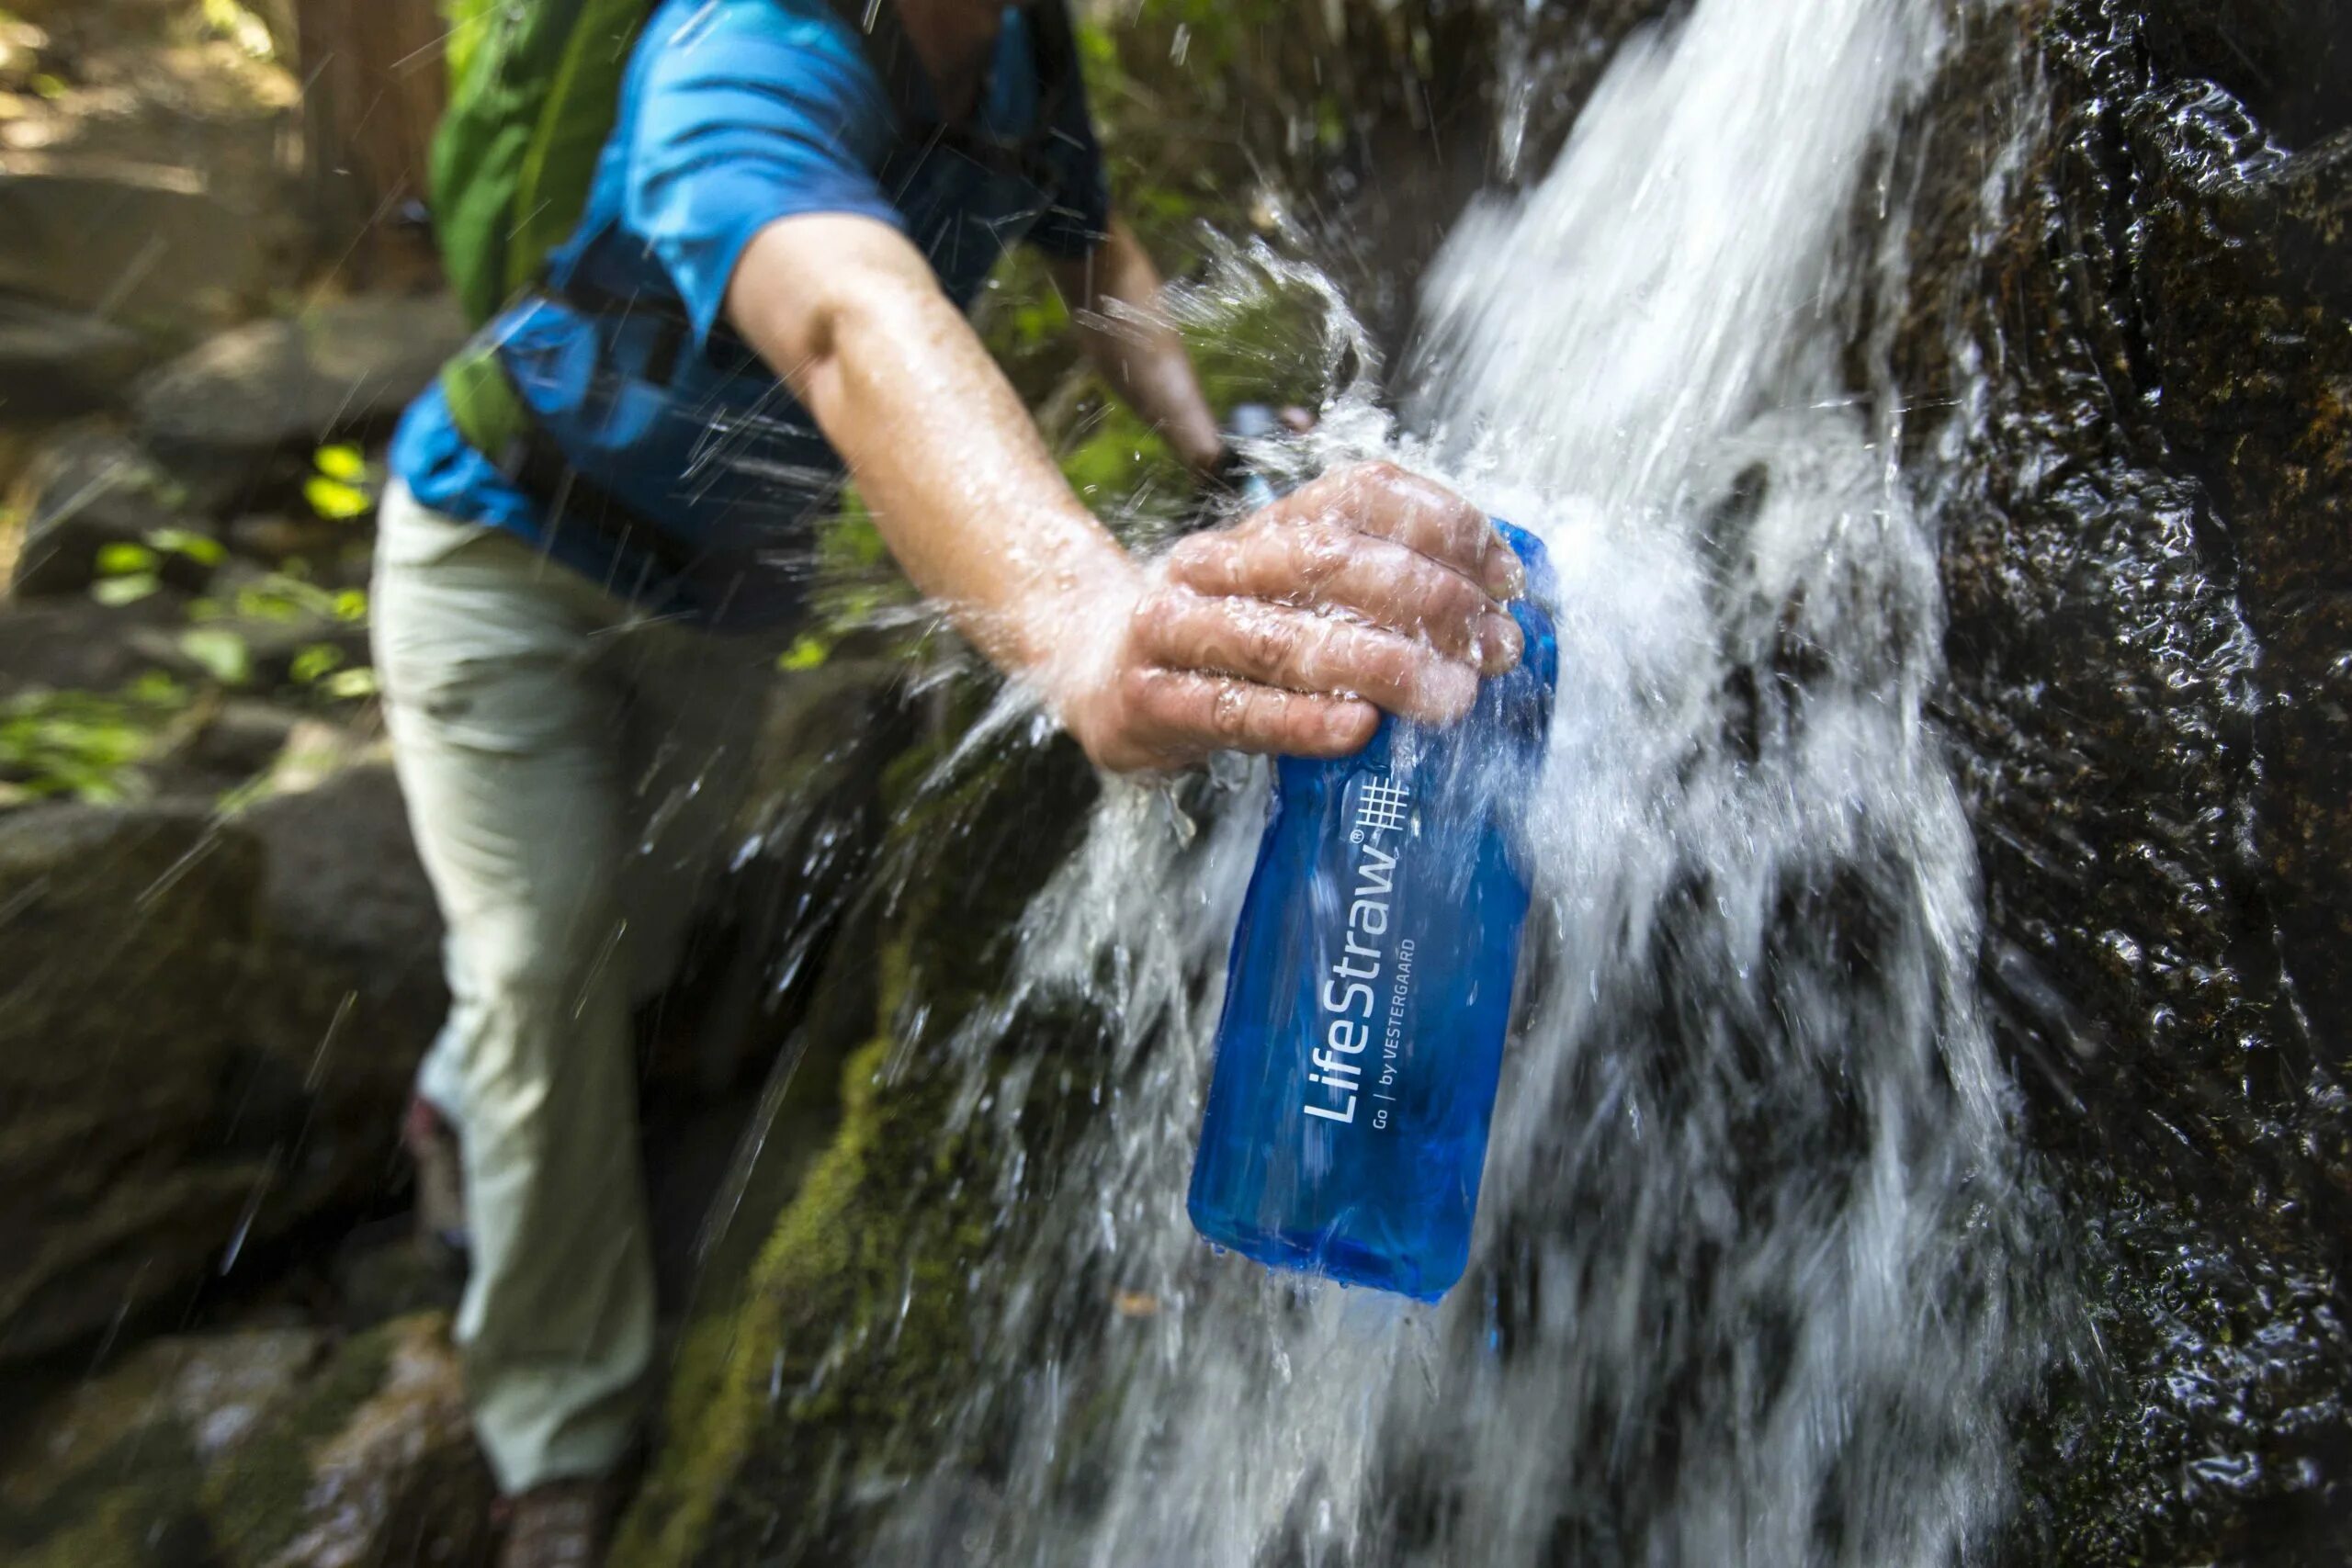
{"x": 1747, "y": 1282}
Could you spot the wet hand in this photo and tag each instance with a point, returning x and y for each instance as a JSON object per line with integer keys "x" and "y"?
{"x": 1368, "y": 588}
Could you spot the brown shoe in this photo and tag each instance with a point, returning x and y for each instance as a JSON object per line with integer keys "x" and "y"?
{"x": 559, "y": 1524}
{"x": 432, "y": 1145}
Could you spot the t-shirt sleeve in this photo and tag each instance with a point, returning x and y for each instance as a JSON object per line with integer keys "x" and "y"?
{"x": 749, "y": 115}
{"x": 1080, "y": 214}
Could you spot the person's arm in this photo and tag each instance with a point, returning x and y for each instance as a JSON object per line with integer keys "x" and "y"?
{"x": 1114, "y": 305}
{"x": 1220, "y": 646}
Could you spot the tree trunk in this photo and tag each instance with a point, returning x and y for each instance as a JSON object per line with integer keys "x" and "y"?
{"x": 374, "y": 85}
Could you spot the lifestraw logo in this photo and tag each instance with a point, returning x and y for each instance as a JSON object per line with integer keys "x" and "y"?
{"x": 1348, "y": 995}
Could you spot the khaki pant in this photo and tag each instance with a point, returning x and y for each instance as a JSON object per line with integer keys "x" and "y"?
{"x": 570, "y": 768}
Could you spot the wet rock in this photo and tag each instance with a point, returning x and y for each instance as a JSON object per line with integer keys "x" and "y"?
{"x": 273, "y": 386}
{"x": 56, "y": 363}
{"x": 853, "y": 1326}
{"x": 88, "y": 488}
{"x": 2288, "y": 60}
{"x": 265, "y": 1448}
{"x": 2244, "y": 279}
{"x": 2145, "y": 533}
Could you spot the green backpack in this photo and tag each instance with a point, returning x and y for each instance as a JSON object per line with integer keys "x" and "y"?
{"x": 534, "y": 88}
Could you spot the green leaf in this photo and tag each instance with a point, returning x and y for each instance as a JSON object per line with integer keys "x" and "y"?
{"x": 157, "y": 689}
{"x": 805, "y": 654}
{"x": 335, "y": 499}
{"x": 342, "y": 461}
{"x": 122, "y": 558}
{"x": 351, "y": 605}
{"x": 116, "y": 592}
{"x": 350, "y": 684}
{"x": 220, "y": 652}
{"x": 201, "y": 549}
{"x": 317, "y": 660}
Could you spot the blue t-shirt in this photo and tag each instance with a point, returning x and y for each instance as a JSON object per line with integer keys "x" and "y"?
{"x": 733, "y": 114}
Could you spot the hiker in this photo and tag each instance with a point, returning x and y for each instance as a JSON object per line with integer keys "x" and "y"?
{"x": 599, "y": 521}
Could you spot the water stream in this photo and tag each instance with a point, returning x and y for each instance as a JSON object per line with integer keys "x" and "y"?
{"x": 1746, "y": 1285}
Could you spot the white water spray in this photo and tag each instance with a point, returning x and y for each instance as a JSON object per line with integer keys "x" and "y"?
{"x": 1740, "y": 1293}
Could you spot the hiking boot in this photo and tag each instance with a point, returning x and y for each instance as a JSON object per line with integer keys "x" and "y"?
{"x": 559, "y": 1523}
{"x": 432, "y": 1145}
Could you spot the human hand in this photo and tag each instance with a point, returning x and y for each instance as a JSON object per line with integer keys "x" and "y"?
{"x": 1368, "y": 588}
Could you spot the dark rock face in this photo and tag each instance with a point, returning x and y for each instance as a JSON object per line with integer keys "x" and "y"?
{"x": 2145, "y": 567}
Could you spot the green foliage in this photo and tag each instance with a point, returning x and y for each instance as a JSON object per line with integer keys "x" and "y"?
{"x": 340, "y": 487}
{"x": 129, "y": 572}
{"x": 286, "y": 595}
{"x": 220, "y": 652}
{"x": 86, "y": 745}
{"x": 228, "y": 19}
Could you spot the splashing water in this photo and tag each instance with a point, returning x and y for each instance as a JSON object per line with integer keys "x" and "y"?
{"x": 1744, "y": 1289}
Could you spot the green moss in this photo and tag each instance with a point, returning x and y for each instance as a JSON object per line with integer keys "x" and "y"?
{"x": 820, "y": 1267}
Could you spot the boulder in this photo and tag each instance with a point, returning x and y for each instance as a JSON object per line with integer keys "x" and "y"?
{"x": 348, "y": 991}
{"x": 85, "y": 489}
{"x": 75, "y": 645}
{"x": 142, "y": 246}
{"x": 128, "y": 934}
{"x": 206, "y": 1039}
{"x": 260, "y": 1447}
{"x": 275, "y": 386}
{"x": 55, "y": 363}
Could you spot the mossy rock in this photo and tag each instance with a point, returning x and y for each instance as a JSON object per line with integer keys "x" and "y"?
{"x": 256, "y": 1449}
{"x": 802, "y": 1399}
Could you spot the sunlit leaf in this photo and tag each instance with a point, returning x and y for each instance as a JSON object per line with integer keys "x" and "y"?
{"x": 157, "y": 689}
{"x": 342, "y": 461}
{"x": 121, "y": 559}
{"x": 239, "y": 26}
{"x": 805, "y": 654}
{"x": 201, "y": 549}
{"x": 220, "y": 652}
{"x": 333, "y": 499}
{"x": 116, "y": 592}
{"x": 350, "y": 684}
{"x": 317, "y": 660}
{"x": 351, "y": 605}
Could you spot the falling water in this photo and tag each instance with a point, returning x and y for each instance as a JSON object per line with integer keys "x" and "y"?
{"x": 1744, "y": 1290}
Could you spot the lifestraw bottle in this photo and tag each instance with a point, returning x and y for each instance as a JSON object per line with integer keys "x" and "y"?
{"x": 1369, "y": 988}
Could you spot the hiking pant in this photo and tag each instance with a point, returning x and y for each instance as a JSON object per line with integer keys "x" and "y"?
{"x": 571, "y": 767}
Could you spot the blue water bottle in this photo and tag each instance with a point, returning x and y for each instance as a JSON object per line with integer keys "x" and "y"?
{"x": 1370, "y": 985}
